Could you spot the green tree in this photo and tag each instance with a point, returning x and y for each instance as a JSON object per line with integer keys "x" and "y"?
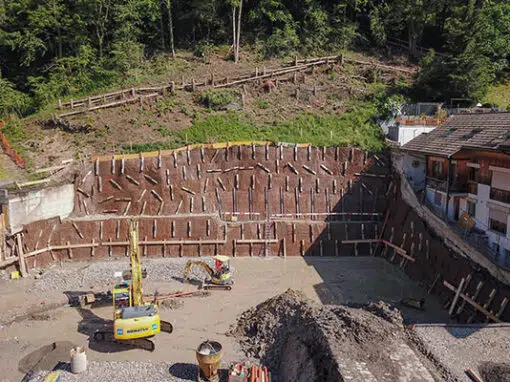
{"x": 12, "y": 101}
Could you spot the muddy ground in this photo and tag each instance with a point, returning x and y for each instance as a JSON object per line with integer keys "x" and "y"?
{"x": 324, "y": 280}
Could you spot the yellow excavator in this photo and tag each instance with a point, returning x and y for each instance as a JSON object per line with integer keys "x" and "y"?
{"x": 219, "y": 278}
{"x": 134, "y": 320}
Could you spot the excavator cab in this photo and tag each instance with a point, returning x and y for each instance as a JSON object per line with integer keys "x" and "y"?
{"x": 222, "y": 275}
{"x": 121, "y": 294}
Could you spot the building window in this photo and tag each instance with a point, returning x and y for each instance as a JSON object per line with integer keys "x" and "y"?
{"x": 473, "y": 174}
{"x": 438, "y": 198}
{"x": 497, "y": 226}
{"x": 471, "y": 209}
{"x": 437, "y": 169}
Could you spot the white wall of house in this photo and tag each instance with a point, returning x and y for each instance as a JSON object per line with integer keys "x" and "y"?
{"x": 403, "y": 134}
{"x": 440, "y": 202}
{"x": 481, "y": 218}
{"x": 415, "y": 170}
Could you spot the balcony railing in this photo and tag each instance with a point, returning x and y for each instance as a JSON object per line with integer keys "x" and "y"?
{"x": 500, "y": 195}
{"x": 459, "y": 187}
{"x": 476, "y": 238}
{"x": 473, "y": 188}
{"x": 438, "y": 184}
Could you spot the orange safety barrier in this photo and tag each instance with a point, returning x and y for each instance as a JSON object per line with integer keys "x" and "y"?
{"x": 6, "y": 147}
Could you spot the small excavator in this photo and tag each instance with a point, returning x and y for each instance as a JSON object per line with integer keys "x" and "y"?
{"x": 134, "y": 320}
{"x": 219, "y": 278}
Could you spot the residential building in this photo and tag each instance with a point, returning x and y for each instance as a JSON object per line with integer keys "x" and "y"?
{"x": 464, "y": 168}
{"x": 412, "y": 120}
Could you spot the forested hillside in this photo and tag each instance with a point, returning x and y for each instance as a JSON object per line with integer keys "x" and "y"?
{"x": 54, "y": 48}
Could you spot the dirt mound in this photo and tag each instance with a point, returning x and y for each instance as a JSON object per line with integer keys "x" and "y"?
{"x": 383, "y": 310}
{"x": 495, "y": 372}
{"x": 171, "y": 304}
{"x": 305, "y": 341}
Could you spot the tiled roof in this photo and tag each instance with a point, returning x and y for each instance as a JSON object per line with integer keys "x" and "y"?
{"x": 478, "y": 131}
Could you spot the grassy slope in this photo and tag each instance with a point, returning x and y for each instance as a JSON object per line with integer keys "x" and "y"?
{"x": 342, "y": 113}
{"x": 355, "y": 127}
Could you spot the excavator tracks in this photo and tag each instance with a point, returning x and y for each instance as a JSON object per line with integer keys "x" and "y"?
{"x": 139, "y": 343}
{"x": 216, "y": 287}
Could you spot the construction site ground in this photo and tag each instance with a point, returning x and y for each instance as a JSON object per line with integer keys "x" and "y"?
{"x": 37, "y": 315}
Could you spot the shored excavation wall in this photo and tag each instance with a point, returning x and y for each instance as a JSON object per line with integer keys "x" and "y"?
{"x": 221, "y": 199}
{"x": 255, "y": 200}
{"x": 435, "y": 262}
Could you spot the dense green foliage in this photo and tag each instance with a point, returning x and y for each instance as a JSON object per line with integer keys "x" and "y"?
{"x": 219, "y": 99}
{"x": 55, "y": 48}
{"x": 356, "y": 127}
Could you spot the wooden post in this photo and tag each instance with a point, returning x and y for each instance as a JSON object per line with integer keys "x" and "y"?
{"x": 456, "y": 298}
{"x": 21, "y": 257}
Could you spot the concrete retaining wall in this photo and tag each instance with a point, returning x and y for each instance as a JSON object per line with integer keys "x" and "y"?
{"x": 30, "y": 206}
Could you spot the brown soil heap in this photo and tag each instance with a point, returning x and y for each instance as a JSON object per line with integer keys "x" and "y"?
{"x": 304, "y": 341}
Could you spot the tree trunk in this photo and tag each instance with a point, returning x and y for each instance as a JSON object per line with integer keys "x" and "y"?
{"x": 234, "y": 38}
{"x": 171, "y": 26}
{"x": 238, "y": 31}
{"x": 162, "y": 28}
{"x": 59, "y": 34}
{"x": 412, "y": 37}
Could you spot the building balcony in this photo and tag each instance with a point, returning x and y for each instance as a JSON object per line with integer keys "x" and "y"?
{"x": 437, "y": 183}
{"x": 459, "y": 187}
{"x": 500, "y": 195}
{"x": 440, "y": 185}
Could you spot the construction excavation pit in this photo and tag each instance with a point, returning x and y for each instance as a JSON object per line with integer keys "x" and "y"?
{"x": 291, "y": 262}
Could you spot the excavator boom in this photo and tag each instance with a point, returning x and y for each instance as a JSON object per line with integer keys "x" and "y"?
{"x": 204, "y": 265}
{"x": 136, "y": 268}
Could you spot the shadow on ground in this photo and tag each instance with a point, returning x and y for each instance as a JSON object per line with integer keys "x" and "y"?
{"x": 189, "y": 372}
{"x": 47, "y": 357}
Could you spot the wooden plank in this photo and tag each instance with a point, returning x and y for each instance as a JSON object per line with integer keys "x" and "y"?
{"x": 473, "y": 303}
{"x": 51, "y": 169}
{"x": 457, "y": 294}
{"x": 362, "y": 241}
{"x": 257, "y": 241}
{"x": 473, "y": 376}
{"x": 21, "y": 257}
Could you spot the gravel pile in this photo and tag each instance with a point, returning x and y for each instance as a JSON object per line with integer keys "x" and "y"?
{"x": 483, "y": 349}
{"x": 306, "y": 341}
{"x": 128, "y": 371}
{"x": 101, "y": 273}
